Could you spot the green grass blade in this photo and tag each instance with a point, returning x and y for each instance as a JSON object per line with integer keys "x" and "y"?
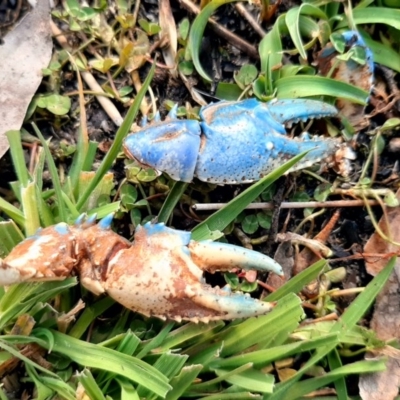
{"x": 309, "y": 385}
{"x": 64, "y": 390}
{"x": 10, "y": 236}
{"x": 90, "y": 385}
{"x": 119, "y": 137}
{"x": 17, "y": 156}
{"x": 168, "y": 364}
{"x": 264, "y": 330}
{"x": 13, "y": 212}
{"x": 306, "y": 86}
{"x": 156, "y": 341}
{"x": 29, "y": 202}
{"x": 62, "y": 211}
{"x": 94, "y": 356}
{"x": 196, "y": 34}
{"x": 340, "y": 384}
{"x": 262, "y": 358}
{"x": 16, "y": 353}
{"x": 183, "y": 381}
{"x": 298, "y": 282}
{"x": 383, "y": 54}
{"x": 89, "y": 315}
{"x": 347, "y": 321}
{"x": 172, "y": 199}
{"x": 128, "y": 391}
{"x": 364, "y": 300}
{"x": 223, "y": 217}
{"x": 189, "y": 333}
{"x": 292, "y": 19}
{"x": 374, "y": 15}
{"x": 271, "y": 54}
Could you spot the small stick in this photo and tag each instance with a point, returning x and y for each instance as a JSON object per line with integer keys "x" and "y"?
{"x": 233, "y": 39}
{"x": 291, "y": 204}
{"x": 106, "y": 103}
{"x": 241, "y": 9}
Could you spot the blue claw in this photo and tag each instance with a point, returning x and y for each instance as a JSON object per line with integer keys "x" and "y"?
{"x": 212, "y": 256}
{"x": 295, "y": 110}
{"x": 234, "y": 142}
{"x": 240, "y": 142}
{"x": 232, "y": 305}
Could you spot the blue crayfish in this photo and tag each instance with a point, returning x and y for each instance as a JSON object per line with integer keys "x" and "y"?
{"x": 234, "y": 142}
{"x": 240, "y": 142}
{"x": 159, "y": 274}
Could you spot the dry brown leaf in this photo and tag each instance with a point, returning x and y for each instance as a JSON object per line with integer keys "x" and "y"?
{"x": 26, "y": 50}
{"x": 168, "y": 29}
{"x": 284, "y": 256}
{"x": 381, "y": 385}
{"x": 386, "y": 318}
{"x": 390, "y": 226}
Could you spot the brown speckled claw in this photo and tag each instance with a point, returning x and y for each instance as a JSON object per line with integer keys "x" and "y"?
{"x": 159, "y": 274}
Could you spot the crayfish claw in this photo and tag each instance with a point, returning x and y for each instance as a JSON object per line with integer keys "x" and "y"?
{"x": 216, "y": 256}
{"x": 222, "y": 304}
{"x": 294, "y": 110}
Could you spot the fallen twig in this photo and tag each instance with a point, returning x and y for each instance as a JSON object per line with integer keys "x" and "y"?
{"x": 291, "y": 204}
{"x": 233, "y": 39}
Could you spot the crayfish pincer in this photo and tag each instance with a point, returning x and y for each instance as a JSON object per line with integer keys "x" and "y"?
{"x": 233, "y": 142}
{"x": 159, "y": 274}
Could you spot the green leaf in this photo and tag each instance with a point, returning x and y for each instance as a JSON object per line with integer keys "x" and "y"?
{"x": 293, "y": 18}
{"x": 373, "y": 15}
{"x": 123, "y": 130}
{"x": 264, "y": 220}
{"x": 184, "y": 28}
{"x": 183, "y": 381}
{"x": 298, "y": 282}
{"x": 246, "y": 75}
{"x": 306, "y": 86}
{"x": 10, "y": 236}
{"x": 250, "y": 224}
{"x": 149, "y": 27}
{"x": 264, "y": 357}
{"x": 383, "y": 53}
{"x": 228, "y": 91}
{"x": 55, "y": 103}
{"x": 103, "y": 358}
{"x": 271, "y": 54}
{"x": 196, "y": 34}
{"x": 223, "y": 217}
{"x": 251, "y": 379}
{"x": 171, "y": 201}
